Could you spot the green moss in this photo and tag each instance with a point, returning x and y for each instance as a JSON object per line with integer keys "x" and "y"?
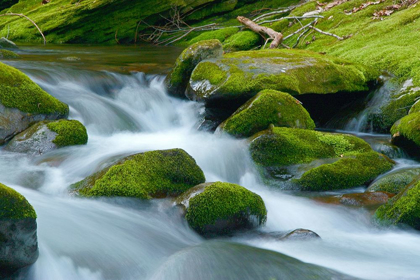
{"x": 267, "y": 107}
{"x": 394, "y": 182}
{"x": 292, "y": 71}
{"x": 18, "y": 91}
{"x": 220, "y": 34}
{"x": 350, "y": 171}
{"x": 151, "y": 174}
{"x": 282, "y": 146}
{"x": 403, "y": 208}
{"x": 415, "y": 108}
{"x": 212, "y": 9}
{"x": 307, "y": 7}
{"x": 211, "y": 72}
{"x": 68, "y": 132}
{"x": 221, "y": 201}
{"x": 408, "y": 127}
{"x": 13, "y": 205}
{"x": 242, "y": 41}
{"x": 5, "y": 54}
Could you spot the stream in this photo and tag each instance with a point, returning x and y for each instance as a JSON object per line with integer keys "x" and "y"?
{"x": 119, "y": 95}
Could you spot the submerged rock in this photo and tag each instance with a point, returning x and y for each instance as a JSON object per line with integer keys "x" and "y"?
{"x": 22, "y": 102}
{"x": 299, "y": 234}
{"x": 353, "y": 162}
{"x": 365, "y": 199}
{"x": 7, "y": 44}
{"x": 154, "y": 174}
{"x": 226, "y": 260}
{"x": 177, "y": 80}
{"x": 222, "y": 208}
{"x": 267, "y": 107}
{"x": 404, "y": 208}
{"x": 47, "y": 136}
{"x": 394, "y": 182}
{"x": 234, "y": 78}
{"x": 18, "y": 239}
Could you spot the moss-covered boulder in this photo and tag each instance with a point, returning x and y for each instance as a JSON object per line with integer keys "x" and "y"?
{"x": 154, "y": 174}
{"x": 23, "y": 102}
{"x": 48, "y": 135}
{"x": 394, "y": 182}
{"x": 177, "y": 80}
{"x": 238, "y": 76}
{"x": 6, "y": 54}
{"x": 267, "y": 107}
{"x": 222, "y": 208}
{"x": 7, "y": 44}
{"x": 242, "y": 41}
{"x": 404, "y": 208}
{"x": 348, "y": 161}
{"x": 18, "y": 239}
{"x": 349, "y": 171}
{"x": 406, "y": 133}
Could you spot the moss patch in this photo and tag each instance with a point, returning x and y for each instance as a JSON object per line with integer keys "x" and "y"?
{"x": 242, "y": 41}
{"x": 221, "y": 35}
{"x": 394, "y": 182}
{"x": 68, "y": 132}
{"x": 18, "y": 91}
{"x": 147, "y": 175}
{"x": 221, "y": 201}
{"x": 408, "y": 127}
{"x": 267, "y": 107}
{"x": 282, "y": 146}
{"x": 13, "y": 205}
{"x": 350, "y": 171}
{"x": 6, "y": 54}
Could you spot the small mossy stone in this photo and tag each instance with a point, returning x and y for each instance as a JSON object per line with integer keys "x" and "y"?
{"x": 281, "y": 146}
{"x": 177, "y": 80}
{"x": 242, "y": 41}
{"x": 407, "y": 128}
{"x": 69, "y": 132}
{"x": 404, "y": 208}
{"x": 221, "y": 35}
{"x": 223, "y": 208}
{"x": 394, "y": 182}
{"x": 6, "y": 54}
{"x": 267, "y": 107}
{"x": 349, "y": 171}
{"x": 293, "y": 71}
{"x": 18, "y": 91}
{"x": 154, "y": 174}
{"x": 7, "y": 44}
{"x": 13, "y": 205}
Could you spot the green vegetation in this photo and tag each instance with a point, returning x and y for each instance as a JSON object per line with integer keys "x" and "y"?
{"x": 18, "y": 91}
{"x": 242, "y": 41}
{"x": 220, "y": 202}
{"x": 13, "y": 205}
{"x": 148, "y": 175}
{"x": 221, "y": 35}
{"x": 408, "y": 127}
{"x": 68, "y": 132}
{"x": 282, "y": 146}
{"x": 394, "y": 182}
{"x": 5, "y": 54}
{"x": 347, "y": 172}
{"x": 292, "y": 71}
{"x": 267, "y": 107}
{"x": 403, "y": 208}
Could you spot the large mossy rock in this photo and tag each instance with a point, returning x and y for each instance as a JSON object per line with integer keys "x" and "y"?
{"x": 236, "y": 77}
{"x": 267, "y": 107}
{"x": 23, "y": 102}
{"x": 227, "y": 260}
{"x": 406, "y": 133}
{"x": 154, "y": 174}
{"x": 47, "y": 136}
{"x": 18, "y": 239}
{"x": 349, "y": 171}
{"x": 350, "y": 160}
{"x": 394, "y": 182}
{"x": 222, "y": 208}
{"x": 177, "y": 80}
{"x": 404, "y": 208}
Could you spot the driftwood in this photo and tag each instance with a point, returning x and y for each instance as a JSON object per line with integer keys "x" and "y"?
{"x": 33, "y": 22}
{"x": 273, "y": 35}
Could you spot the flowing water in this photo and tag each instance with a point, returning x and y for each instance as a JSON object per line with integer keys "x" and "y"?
{"x": 127, "y": 111}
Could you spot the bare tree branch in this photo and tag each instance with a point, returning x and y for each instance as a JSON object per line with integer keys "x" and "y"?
{"x": 274, "y": 35}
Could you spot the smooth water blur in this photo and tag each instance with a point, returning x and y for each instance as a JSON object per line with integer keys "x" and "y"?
{"x": 130, "y": 112}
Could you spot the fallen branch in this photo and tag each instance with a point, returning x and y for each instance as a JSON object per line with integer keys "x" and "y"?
{"x": 274, "y": 35}
{"x": 33, "y": 22}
